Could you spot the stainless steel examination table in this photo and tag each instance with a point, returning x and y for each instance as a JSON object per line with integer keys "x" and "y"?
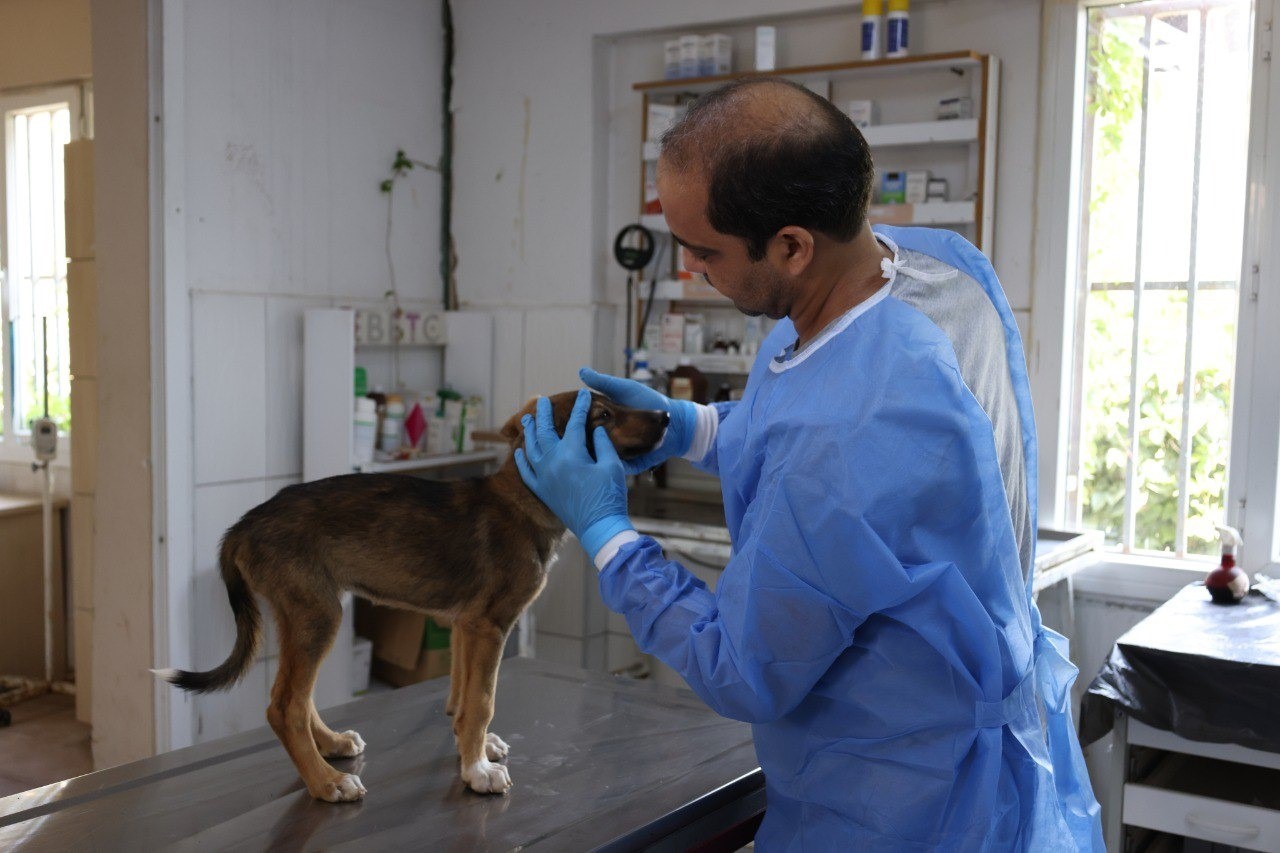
{"x": 598, "y": 762}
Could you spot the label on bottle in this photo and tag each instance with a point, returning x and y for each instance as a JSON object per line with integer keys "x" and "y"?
{"x": 681, "y": 388}
{"x": 896, "y": 36}
{"x": 869, "y": 31}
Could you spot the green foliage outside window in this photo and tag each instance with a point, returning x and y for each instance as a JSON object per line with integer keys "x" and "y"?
{"x": 1116, "y": 55}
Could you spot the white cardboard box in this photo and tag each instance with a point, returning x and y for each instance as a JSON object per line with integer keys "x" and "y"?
{"x": 863, "y": 113}
{"x": 672, "y": 333}
{"x": 917, "y": 186}
{"x": 661, "y": 117}
{"x": 766, "y": 48}
{"x": 715, "y": 55}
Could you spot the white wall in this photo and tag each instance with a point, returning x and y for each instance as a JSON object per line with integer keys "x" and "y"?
{"x": 282, "y": 120}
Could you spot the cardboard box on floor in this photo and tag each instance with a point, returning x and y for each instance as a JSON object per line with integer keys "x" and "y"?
{"x": 408, "y": 647}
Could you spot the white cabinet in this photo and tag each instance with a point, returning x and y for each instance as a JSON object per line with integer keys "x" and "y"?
{"x": 1219, "y": 793}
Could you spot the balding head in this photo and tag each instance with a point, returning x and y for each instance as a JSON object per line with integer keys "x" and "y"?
{"x": 772, "y": 154}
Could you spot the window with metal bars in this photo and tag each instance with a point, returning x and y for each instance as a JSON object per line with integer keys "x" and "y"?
{"x": 34, "y": 266}
{"x": 1164, "y": 156}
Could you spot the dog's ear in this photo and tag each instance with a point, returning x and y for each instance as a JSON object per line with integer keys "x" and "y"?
{"x": 512, "y": 431}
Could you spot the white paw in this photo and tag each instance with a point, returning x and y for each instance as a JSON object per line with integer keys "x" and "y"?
{"x": 345, "y": 789}
{"x": 484, "y": 777}
{"x": 495, "y": 747}
{"x": 349, "y": 744}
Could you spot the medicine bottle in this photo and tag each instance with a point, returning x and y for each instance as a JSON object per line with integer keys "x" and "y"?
{"x": 365, "y": 432}
{"x": 391, "y": 432}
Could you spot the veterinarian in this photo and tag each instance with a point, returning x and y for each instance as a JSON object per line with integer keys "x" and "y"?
{"x": 874, "y": 623}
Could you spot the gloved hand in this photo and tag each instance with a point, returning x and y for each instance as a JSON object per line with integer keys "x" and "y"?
{"x": 628, "y": 392}
{"x": 589, "y": 496}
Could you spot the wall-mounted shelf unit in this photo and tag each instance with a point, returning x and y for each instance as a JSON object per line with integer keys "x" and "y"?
{"x": 464, "y": 360}
{"x": 708, "y": 362}
{"x": 430, "y": 463}
{"x": 922, "y": 133}
{"x": 687, "y": 290}
{"x": 908, "y": 136}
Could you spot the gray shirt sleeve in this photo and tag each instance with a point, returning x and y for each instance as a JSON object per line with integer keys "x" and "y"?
{"x": 962, "y": 310}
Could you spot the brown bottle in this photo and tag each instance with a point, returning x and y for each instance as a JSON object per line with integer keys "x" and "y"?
{"x": 380, "y": 400}
{"x": 687, "y": 382}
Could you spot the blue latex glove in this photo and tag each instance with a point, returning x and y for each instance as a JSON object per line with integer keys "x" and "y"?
{"x": 628, "y": 392}
{"x": 589, "y": 496}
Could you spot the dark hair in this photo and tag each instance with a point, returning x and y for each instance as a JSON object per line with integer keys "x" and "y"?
{"x": 807, "y": 166}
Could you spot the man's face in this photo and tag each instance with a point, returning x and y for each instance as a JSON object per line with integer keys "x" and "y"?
{"x": 754, "y": 287}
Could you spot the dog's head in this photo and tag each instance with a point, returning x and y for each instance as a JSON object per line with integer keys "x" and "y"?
{"x": 634, "y": 432}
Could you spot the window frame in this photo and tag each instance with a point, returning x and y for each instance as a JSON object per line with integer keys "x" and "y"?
{"x": 1253, "y": 490}
{"x": 14, "y": 447}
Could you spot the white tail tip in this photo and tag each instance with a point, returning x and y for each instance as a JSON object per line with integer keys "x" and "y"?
{"x": 165, "y": 674}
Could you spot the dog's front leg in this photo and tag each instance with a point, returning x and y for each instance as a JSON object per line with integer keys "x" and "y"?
{"x": 457, "y": 673}
{"x": 481, "y": 646}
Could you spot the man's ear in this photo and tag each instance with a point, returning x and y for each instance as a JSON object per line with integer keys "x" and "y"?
{"x": 791, "y": 249}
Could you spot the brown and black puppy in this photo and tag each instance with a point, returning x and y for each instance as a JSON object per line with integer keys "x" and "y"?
{"x": 473, "y": 553}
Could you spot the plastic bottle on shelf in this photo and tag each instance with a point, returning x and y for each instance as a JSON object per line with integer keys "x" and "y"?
{"x": 640, "y": 371}
{"x": 391, "y": 430}
{"x": 365, "y": 432}
{"x": 872, "y": 24}
{"x": 693, "y": 334}
{"x": 897, "y": 29}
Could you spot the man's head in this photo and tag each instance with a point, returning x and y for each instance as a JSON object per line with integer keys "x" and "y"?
{"x": 752, "y": 177}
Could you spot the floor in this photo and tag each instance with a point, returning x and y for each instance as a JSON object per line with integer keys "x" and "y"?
{"x": 45, "y": 743}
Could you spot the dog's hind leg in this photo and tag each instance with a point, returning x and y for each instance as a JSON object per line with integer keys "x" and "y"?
{"x": 482, "y": 649}
{"x": 306, "y": 632}
{"x": 332, "y": 744}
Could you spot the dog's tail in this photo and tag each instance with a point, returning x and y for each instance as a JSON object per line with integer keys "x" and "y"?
{"x": 248, "y": 632}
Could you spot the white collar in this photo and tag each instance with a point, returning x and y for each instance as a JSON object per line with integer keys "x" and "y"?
{"x": 780, "y": 362}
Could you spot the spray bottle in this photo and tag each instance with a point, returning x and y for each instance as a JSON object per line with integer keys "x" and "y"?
{"x": 1227, "y": 583}
{"x": 897, "y": 34}
{"x": 872, "y": 26}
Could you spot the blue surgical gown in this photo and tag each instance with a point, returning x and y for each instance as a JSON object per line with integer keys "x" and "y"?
{"x": 872, "y": 624}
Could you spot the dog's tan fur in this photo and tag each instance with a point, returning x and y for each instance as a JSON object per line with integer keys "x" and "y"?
{"x": 473, "y": 553}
